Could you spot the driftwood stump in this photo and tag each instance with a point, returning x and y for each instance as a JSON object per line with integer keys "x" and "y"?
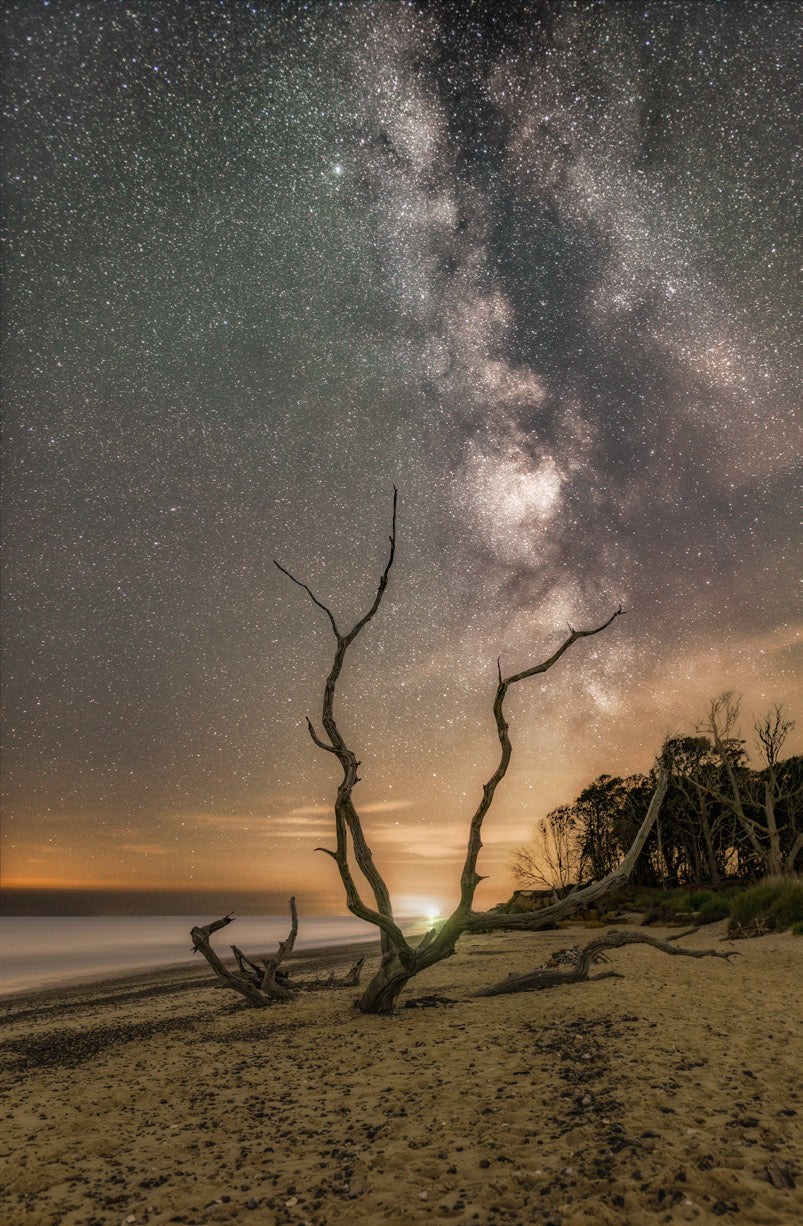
{"x": 264, "y": 984}
{"x": 259, "y": 985}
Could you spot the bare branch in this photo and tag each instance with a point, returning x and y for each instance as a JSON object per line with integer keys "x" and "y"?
{"x": 346, "y": 816}
{"x": 321, "y": 744}
{"x": 478, "y": 921}
{"x": 470, "y": 878}
{"x": 573, "y": 637}
{"x": 208, "y": 929}
{"x": 269, "y": 984}
{"x": 247, "y": 967}
{"x": 311, "y": 595}
{"x": 383, "y": 582}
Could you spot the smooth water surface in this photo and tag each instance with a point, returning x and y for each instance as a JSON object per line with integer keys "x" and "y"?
{"x": 39, "y": 951}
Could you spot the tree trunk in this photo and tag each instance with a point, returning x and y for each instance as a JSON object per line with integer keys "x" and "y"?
{"x": 711, "y": 855}
{"x": 384, "y": 990}
{"x": 661, "y": 856}
{"x": 775, "y": 864}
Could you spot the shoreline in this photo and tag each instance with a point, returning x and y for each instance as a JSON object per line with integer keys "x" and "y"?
{"x": 669, "y": 1094}
{"x": 39, "y": 953}
{"x": 164, "y": 976}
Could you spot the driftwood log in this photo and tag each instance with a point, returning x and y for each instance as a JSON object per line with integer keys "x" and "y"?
{"x": 264, "y": 984}
{"x": 594, "y": 951}
{"x": 258, "y": 984}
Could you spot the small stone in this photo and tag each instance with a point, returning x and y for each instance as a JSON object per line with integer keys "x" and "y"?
{"x": 423, "y": 1195}
{"x": 288, "y": 1204}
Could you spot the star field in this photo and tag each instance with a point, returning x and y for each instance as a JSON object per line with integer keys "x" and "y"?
{"x": 534, "y": 264}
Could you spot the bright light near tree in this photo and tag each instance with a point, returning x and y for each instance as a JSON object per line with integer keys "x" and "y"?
{"x": 418, "y": 907}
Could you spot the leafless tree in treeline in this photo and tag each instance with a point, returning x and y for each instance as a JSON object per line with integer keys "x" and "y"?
{"x": 766, "y": 804}
{"x": 552, "y": 858}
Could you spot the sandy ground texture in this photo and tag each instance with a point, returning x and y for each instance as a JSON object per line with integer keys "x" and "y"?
{"x": 672, "y": 1094}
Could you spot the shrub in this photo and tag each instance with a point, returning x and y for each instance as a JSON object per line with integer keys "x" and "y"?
{"x": 700, "y": 897}
{"x": 653, "y": 899}
{"x": 797, "y": 929}
{"x": 717, "y": 907}
{"x": 769, "y": 906}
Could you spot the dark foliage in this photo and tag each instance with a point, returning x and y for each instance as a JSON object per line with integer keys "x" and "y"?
{"x": 700, "y": 838}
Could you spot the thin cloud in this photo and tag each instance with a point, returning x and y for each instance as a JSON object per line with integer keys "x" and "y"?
{"x": 379, "y": 806}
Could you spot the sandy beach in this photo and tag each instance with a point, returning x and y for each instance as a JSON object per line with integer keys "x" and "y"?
{"x": 672, "y": 1094}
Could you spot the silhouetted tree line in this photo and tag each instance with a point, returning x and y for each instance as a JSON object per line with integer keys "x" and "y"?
{"x": 721, "y": 818}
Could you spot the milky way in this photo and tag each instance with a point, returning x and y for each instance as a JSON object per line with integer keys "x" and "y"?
{"x": 533, "y": 264}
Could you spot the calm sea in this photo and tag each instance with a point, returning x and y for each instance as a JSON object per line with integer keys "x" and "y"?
{"x": 40, "y": 951}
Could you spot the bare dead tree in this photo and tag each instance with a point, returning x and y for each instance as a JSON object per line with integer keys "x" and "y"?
{"x": 693, "y": 765}
{"x": 776, "y": 846}
{"x": 593, "y": 952}
{"x": 552, "y": 858}
{"x": 401, "y": 960}
{"x": 771, "y": 733}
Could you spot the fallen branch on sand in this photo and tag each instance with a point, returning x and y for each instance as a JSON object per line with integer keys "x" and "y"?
{"x": 553, "y": 977}
{"x": 265, "y": 984}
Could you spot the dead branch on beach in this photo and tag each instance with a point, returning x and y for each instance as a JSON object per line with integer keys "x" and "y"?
{"x": 594, "y": 951}
{"x": 263, "y": 984}
{"x": 401, "y": 960}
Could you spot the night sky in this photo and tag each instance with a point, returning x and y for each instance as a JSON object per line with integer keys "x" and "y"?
{"x": 533, "y": 264}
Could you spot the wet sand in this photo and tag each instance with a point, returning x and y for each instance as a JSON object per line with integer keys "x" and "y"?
{"x": 672, "y": 1094}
